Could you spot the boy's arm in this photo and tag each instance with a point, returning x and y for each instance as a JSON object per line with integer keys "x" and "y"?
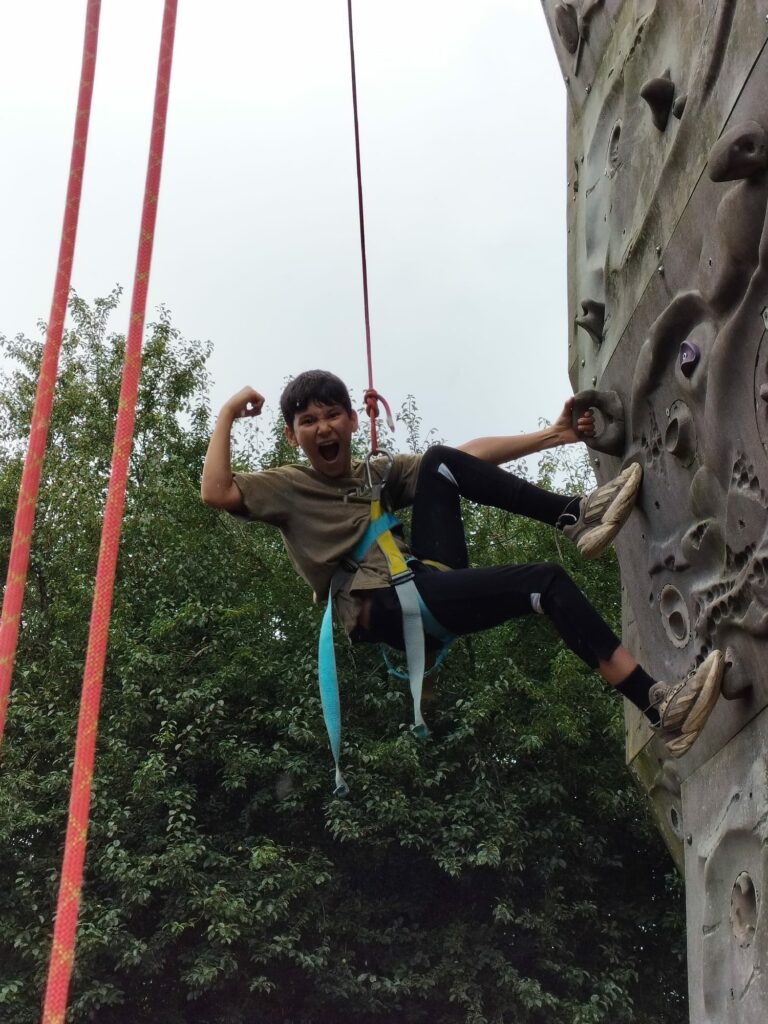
{"x": 507, "y": 449}
{"x": 217, "y": 486}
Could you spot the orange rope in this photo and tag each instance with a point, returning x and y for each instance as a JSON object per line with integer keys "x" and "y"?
{"x": 41, "y": 415}
{"x": 62, "y": 954}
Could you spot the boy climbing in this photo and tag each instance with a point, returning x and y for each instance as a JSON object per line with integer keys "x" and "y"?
{"x": 323, "y": 510}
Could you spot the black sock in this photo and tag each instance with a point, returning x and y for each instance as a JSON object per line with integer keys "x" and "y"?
{"x": 570, "y": 514}
{"x": 635, "y": 688}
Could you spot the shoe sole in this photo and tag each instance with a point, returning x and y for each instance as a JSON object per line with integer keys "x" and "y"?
{"x": 702, "y": 708}
{"x": 686, "y": 697}
{"x": 707, "y": 698}
{"x": 594, "y": 542}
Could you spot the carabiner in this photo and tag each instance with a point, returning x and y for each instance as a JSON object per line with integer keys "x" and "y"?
{"x": 382, "y": 477}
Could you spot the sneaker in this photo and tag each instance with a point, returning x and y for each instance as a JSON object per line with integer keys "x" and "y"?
{"x": 603, "y": 512}
{"x": 683, "y": 709}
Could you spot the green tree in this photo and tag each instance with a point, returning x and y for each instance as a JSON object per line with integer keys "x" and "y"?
{"x": 503, "y": 871}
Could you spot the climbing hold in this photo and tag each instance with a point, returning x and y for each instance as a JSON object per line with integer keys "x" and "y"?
{"x": 690, "y": 354}
{"x": 680, "y": 435}
{"x": 742, "y": 152}
{"x": 678, "y": 107}
{"x": 659, "y": 93}
{"x": 593, "y": 320}
{"x": 567, "y": 26}
{"x": 674, "y": 616}
{"x": 743, "y": 915}
{"x": 610, "y": 420}
{"x": 737, "y": 684}
{"x": 613, "y": 162}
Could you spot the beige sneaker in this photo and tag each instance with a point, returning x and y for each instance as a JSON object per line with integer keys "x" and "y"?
{"x": 604, "y": 511}
{"x": 684, "y": 708}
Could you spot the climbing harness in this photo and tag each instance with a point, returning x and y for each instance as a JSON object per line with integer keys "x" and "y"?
{"x": 418, "y": 622}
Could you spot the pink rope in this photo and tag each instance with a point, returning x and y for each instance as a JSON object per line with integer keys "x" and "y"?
{"x": 68, "y": 905}
{"x": 41, "y": 414}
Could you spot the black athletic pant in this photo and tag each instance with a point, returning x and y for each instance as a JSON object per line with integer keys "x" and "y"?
{"x": 468, "y": 600}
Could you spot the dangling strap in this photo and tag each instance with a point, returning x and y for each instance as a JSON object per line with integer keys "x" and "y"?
{"x": 417, "y": 620}
{"x": 410, "y": 605}
{"x": 329, "y": 692}
{"x": 430, "y": 626}
{"x": 413, "y": 637}
{"x": 326, "y": 656}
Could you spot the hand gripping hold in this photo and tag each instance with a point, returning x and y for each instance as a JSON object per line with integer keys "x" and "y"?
{"x": 610, "y": 423}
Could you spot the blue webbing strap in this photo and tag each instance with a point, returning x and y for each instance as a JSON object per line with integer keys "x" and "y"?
{"x": 374, "y": 530}
{"x": 329, "y": 693}
{"x": 413, "y": 637}
{"x": 433, "y": 628}
{"x": 326, "y": 656}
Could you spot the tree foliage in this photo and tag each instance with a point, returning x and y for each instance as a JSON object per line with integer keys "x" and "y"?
{"x": 502, "y": 871}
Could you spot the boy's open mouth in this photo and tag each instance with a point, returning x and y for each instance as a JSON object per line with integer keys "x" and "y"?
{"x": 329, "y": 451}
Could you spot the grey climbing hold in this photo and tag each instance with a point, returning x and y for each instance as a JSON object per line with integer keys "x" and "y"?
{"x": 678, "y": 107}
{"x": 674, "y": 616}
{"x": 567, "y": 26}
{"x": 742, "y": 152}
{"x": 610, "y": 419}
{"x": 680, "y": 435}
{"x": 659, "y": 93}
{"x": 593, "y": 320}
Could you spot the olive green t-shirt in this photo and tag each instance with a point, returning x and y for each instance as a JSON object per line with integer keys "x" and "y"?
{"x": 322, "y": 518}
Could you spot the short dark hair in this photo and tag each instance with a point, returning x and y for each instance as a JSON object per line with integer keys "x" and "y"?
{"x": 313, "y": 386}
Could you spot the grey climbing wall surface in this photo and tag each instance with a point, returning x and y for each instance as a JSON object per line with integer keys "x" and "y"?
{"x": 668, "y": 303}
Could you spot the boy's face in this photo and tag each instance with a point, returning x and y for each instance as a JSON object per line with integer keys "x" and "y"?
{"x": 324, "y": 434}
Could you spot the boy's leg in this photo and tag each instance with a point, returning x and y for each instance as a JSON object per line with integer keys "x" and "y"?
{"x": 469, "y": 600}
{"x": 447, "y": 475}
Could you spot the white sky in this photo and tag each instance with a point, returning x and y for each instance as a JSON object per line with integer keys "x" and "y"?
{"x": 462, "y": 113}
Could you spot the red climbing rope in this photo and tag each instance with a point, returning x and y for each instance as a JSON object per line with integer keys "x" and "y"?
{"x": 41, "y": 415}
{"x": 371, "y": 397}
{"x": 68, "y": 905}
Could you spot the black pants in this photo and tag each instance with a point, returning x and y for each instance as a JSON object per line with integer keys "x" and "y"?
{"x": 468, "y": 600}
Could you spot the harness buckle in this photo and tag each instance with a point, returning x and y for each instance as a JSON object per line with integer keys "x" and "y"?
{"x": 402, "y": 577}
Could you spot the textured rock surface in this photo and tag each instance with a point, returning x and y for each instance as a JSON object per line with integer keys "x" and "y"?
{"x": 726, "y": 870}
{"x": 668, "y": 301}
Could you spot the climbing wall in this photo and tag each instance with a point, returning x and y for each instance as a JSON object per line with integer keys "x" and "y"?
{"x": 668, "y": 304}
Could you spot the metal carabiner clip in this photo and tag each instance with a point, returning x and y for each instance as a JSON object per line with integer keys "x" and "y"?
{"x": 381, "y": 478}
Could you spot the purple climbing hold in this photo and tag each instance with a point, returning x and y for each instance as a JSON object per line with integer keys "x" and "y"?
{"x": 690, "y": 354}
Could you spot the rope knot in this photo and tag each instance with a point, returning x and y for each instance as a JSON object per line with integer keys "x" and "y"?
{"x": 371, "y": 399}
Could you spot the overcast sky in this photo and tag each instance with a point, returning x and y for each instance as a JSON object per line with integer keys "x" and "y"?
{"x": 463, "y": 145}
